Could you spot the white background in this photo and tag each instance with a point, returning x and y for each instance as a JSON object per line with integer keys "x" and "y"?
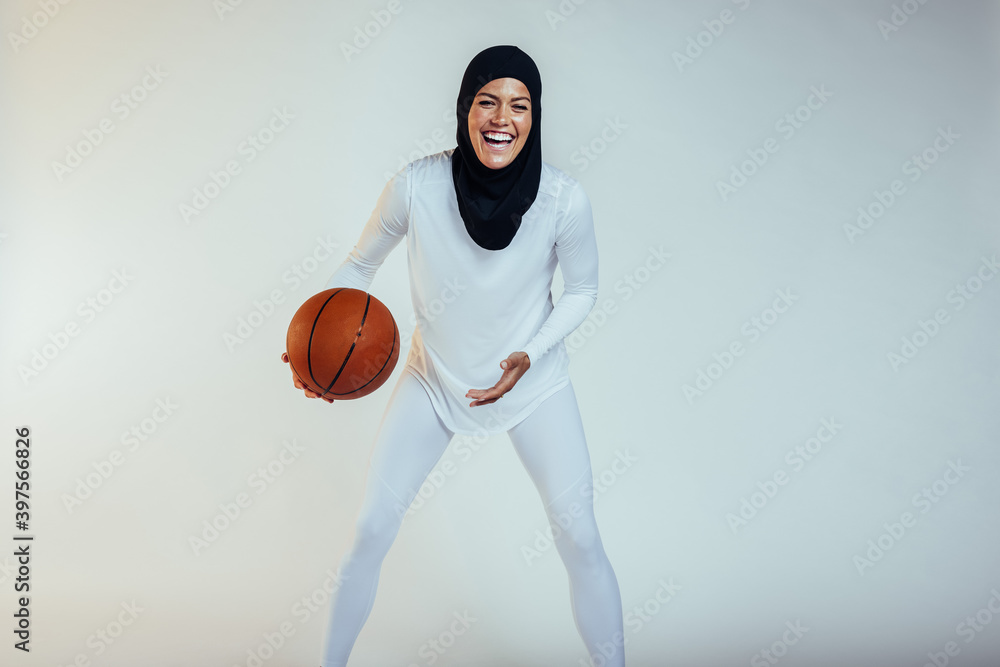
{"x": 682, "y": 128}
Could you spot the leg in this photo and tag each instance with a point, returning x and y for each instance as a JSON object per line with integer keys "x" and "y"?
{"x": 550, "y": 443}
{"x": 409, "y": 442}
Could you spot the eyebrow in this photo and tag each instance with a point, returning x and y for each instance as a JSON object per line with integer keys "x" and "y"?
{"x": 513, "y": 99}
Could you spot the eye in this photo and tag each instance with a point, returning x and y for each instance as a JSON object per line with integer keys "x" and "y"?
{"x": 521, "y": 107}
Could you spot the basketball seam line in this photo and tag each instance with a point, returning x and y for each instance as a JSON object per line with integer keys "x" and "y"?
{"x": 313, "y": 331}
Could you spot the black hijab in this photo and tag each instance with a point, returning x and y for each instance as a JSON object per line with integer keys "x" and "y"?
{"x": 492, "y": 201}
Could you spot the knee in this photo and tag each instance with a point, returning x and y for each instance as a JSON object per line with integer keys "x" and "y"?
{"x": 579, "y": 541}
{"x": 375, "y": 531}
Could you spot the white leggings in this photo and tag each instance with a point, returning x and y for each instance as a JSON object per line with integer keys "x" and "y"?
{"x": 550, "y": 443}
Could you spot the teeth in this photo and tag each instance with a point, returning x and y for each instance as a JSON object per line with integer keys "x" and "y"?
{"x": 498, "y": 136}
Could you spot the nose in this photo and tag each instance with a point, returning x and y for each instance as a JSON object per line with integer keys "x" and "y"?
{"x": 502, "y": 115}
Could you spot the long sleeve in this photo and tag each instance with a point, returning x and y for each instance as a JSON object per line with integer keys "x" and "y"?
{"x": 383, "y": 231}
{"x": 576, "y": 249}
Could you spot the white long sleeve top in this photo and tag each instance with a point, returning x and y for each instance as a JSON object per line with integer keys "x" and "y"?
{"x": 475, "y": 306}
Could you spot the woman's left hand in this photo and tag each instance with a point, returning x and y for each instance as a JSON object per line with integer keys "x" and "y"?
{"x": 513, "y": 367}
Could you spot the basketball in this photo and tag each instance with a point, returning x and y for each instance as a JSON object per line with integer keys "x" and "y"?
{"x": 342, "y": 343}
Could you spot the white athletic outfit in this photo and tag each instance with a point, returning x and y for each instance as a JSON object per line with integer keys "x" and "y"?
{"x": 474, "y": 307}
{"x": 504, "y": 298}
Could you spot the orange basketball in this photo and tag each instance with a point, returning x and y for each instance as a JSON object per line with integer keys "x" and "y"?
{"x": 342, "y": 343}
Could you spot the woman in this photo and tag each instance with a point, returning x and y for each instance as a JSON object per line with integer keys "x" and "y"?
{"x": 485, "y": 225}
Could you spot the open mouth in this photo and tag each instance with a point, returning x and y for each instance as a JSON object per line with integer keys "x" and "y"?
{"x": 498, "y": 140}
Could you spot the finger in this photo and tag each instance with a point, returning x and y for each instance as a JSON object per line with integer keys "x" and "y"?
{"x": 491, "y": 399}
{"x": 483, "y": 394}
{"x": 476, "y": 404}
{"x": 489, "y": 396}
{"x": 478, "y": 393}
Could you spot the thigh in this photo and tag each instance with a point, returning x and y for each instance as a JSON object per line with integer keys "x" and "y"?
{"x": 553, "y": 448}
{"x": 408, "y": 444}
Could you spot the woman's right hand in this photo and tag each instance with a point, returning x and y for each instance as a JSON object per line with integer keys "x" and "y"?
{"x": 298, "y": 385}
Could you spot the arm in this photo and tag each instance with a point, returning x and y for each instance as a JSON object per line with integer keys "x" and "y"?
{"x": 576, "y": 248}
{"x": 386, "y": 226}
{"x": 383, "y": 231}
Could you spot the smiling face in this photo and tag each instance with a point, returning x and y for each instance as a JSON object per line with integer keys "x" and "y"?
{"x": 499, "y": 121}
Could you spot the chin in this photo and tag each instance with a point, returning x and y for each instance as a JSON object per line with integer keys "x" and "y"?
{"x": 495, "y": 162}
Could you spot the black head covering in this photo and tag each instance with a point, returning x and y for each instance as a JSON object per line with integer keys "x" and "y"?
{"x": 492, "y": 201}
